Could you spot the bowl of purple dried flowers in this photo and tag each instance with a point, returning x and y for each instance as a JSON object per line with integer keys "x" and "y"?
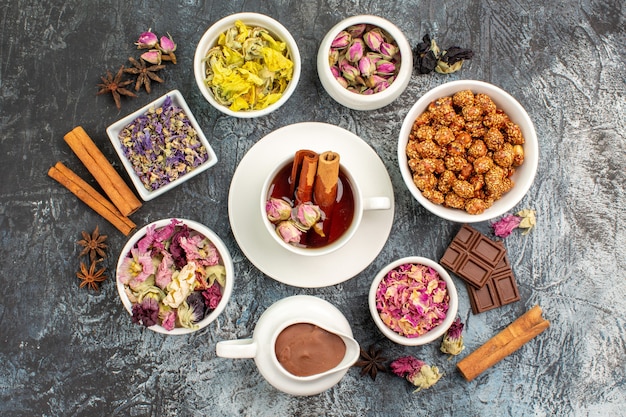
{"x": 364, "y": 62}
{"x": 161, "y": 145}
{"x": 413, "y": 301}
{"x": 174, "y": 276}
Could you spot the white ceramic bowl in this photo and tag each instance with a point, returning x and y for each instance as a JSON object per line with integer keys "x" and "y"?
{"x": 114, "y": 130}
{"x": 524, "y": 175}
{"x": 226, "y": 260}
{"x": 433, "y": 333}
{"x": 359, "y": 101}
{"x": 209, "y": 40}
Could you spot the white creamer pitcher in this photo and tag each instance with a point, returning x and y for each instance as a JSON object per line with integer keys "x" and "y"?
{"x": 279, "y": 316}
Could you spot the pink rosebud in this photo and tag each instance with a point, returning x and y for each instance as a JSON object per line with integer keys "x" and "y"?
{"x": 146, "y": 40}
{"x": 167, "y": 44}
{"x": 306, "y": 215}
{"x": 366, "y": 66}
{"x": 382, "y": 86}
{"x": 384, "y": 67}
{"x": 356, "y": 30}
{"x": 373, "y": 39}
{"x": 342, "y": 81}
{"x": 335, "y": 71}
{"x": 341, "y": 40}
{"x": 388, "y": 50}
{"x": 374, "y": 57}
{"x": 277, "y": 209}
{"x": 153, "y": 56}
{"x": 355, "y": 50}
{"x": 288, "y": 232}
{"x": 374, "y": 81}
{"x": 348, "y": 71}
{"x": 333, "y": 57}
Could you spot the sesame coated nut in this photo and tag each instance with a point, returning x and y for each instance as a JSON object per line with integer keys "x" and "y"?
{"x": 463, "y": 150}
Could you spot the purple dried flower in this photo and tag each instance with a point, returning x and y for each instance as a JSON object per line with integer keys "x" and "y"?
{"x": 505, "y": 226}
{"x": 452, "y": 342}
{"x": 277, "y": 209}
{"x": 146, "y": 312}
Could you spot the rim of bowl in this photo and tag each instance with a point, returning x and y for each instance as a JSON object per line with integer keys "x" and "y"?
{"x": 226, "y": 259}
{"x": 406, "y": 53}
{"x": 209, "y": 38}
{"x": 528, "y": 169}
{"x": 433, "y": 333}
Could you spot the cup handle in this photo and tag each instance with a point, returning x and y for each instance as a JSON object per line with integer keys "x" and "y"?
{"x": 376, "y": 203}
{"x": 237, "y": 349}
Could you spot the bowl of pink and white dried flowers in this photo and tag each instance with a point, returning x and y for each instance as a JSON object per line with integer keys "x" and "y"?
{"x": 413, "y": 301}
{"x": 364, "y": 62}
{"x": 175, "y": 276}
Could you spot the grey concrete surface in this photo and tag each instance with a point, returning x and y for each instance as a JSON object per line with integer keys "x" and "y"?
{"x": 66, "y": 351}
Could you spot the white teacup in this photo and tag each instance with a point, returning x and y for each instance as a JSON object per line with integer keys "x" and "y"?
{"x": 361, "y": 204}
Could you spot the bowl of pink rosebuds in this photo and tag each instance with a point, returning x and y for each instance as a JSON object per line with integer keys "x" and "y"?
{"x": 364, "y": 62}
{"x": 413, "y": 301}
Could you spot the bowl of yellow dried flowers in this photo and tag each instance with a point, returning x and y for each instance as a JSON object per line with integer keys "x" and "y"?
{"x": 175, "y": 276}
{"x": 247, "y": 65}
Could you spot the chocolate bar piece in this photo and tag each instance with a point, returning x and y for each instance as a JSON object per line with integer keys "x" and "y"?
{"x": 473, "y": 256}
{"x": 499, "y": 290}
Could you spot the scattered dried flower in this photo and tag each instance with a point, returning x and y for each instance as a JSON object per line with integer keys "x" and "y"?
{"x": 524, "y": 219}
{"x": 429, "y": 58}
{"x": 528, "y": 220}
{"x": 452, "y": 342}
{"x": 147, "y": 40}
{"x": 416, "y": 372}
{"x": 505, "y": 226}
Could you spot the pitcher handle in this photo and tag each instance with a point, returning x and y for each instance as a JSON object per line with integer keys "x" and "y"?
{"x": 240, "y": 348}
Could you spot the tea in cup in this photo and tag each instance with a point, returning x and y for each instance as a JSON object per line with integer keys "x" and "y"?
{"x": 312, "y": 205}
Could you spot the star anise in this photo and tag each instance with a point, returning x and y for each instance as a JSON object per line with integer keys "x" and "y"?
{"x": 94, "y": 245}
{"x": 90, "y": 277}
{"x": 115, "y": 86}
{"x": 144, "y": 73}
{"x": 371, "y": 362}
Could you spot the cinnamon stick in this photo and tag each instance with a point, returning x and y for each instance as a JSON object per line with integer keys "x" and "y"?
{"x": 303, "y": 175}
{"x": 514, "y": 336}
{"x": 91, "y": 197}
{"x": 326, "y": 178}
{"x": 94, "y": 160}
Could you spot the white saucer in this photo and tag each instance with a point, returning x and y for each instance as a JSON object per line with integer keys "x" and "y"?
{"x": 265, "y": 253}
{"x": 298, "y": 307}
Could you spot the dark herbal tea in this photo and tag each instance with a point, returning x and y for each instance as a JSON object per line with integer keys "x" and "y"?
{"x": 335, "y": 224}
{"x": 305, "y": 349}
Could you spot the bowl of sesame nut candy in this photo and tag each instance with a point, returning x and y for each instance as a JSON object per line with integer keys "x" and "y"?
{"x": 468, "y": 151}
